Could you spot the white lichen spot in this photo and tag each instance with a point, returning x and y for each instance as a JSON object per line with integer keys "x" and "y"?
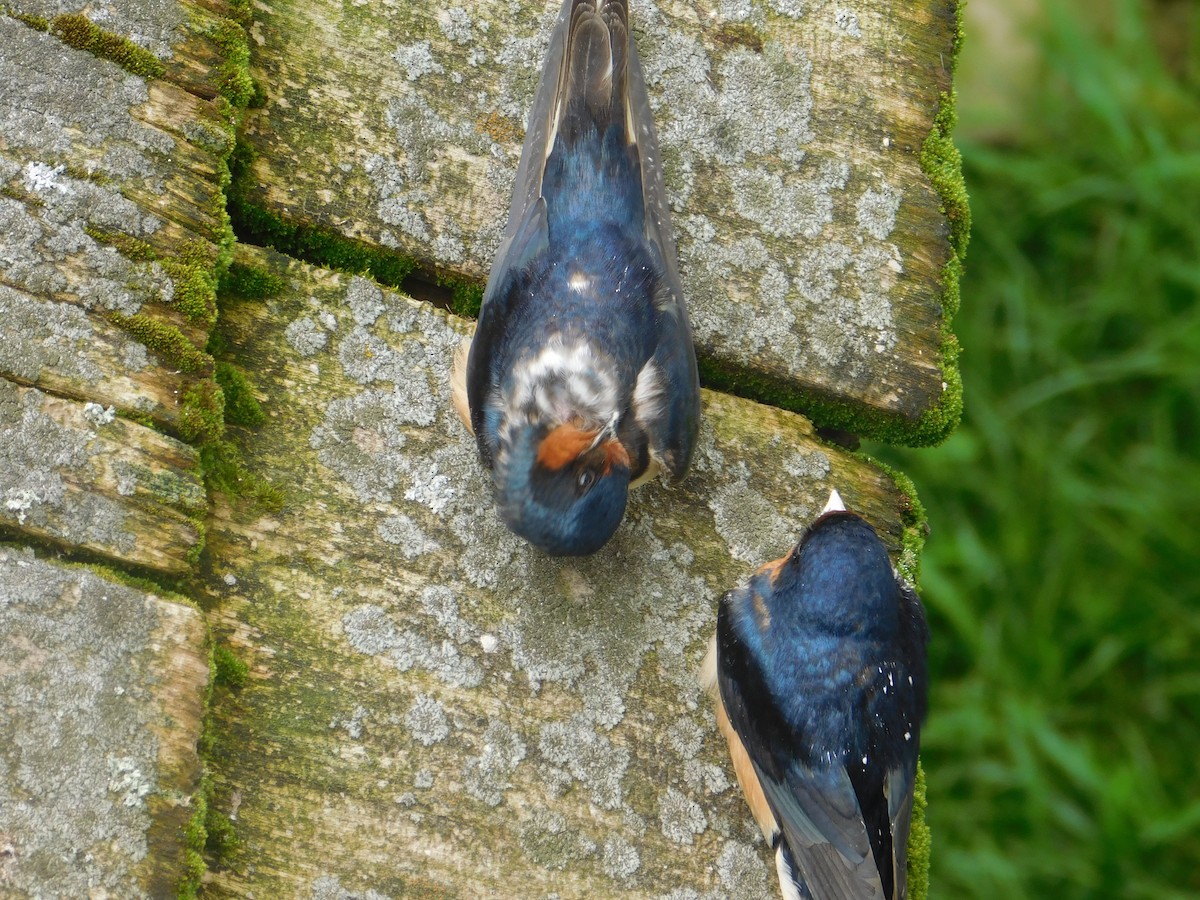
{"x": 681, "y": 817}
{"x": 455, "y": 24}
{"x": 402, "y": 532}
{"x": 578, "y": 753}
{"x": 426, "y": 720}
{"x": 305, "y": 337}
{"x": 847, "y": 23}
{"x": 416, "y": 59}
{"x": 329, "y": 887}
{"x": 365, "y": 300}
{"x": 791, "y": 8}
{"x": 40, "y": 178}
{"x": 486, "y": 776}
{"x": 876, "y": 211}
{"x": 619, "y": 859}
{"x": 98, "y": 415}
{"x": 741, "y": 871}
{"x": 125, "y": 778}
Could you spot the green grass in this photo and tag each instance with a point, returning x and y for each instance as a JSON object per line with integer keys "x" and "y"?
{"x": 1061, "y": 574}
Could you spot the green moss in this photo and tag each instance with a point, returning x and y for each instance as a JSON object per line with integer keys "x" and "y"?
{"x": 314, "y": 244}
{"x": 233, "y": 74}
{"x": 202, "y": 412}
{"x": 242, "y": 12}
{"x": 223, "y": 470}
{"x": 222, "y": 836}
{"x": 193, "y": 873}
{"x": 197, "y": 549}
{"x": 942, "y": 164}
{"x": 467, "y": 296}
{"x": 166, "y": 341}
{"x": 129, "y": 247}
{"x": 920, "y": 842}
{"x": 80, "y": 32}
{"x": 195, "y": 292}
{"x": 932, "y": 427}
{"x": 41, "y": 23}
{"x": 241, "y": 407}
{"x": 250, "y": 282}
{"x": 228, "y": 670}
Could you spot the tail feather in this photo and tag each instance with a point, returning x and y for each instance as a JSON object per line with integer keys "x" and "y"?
{"x": 596, "y": 70}
{"x": 791, "y": 885}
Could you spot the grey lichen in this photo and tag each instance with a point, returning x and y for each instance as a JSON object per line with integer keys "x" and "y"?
{"x": 681, "y": 817}
{"x": 426, "y": 720}
{"x": 79, "y": 763}
{"x": 620, "y": 859}
{"x": 95, "y": 98}
{"x": 741, "y": 871}
{"x": 486, "y": 776}
{"x": 576, "y": 752}
{"x": 305, "y": 336}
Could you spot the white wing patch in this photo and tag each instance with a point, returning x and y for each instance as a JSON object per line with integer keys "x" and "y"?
{"x": 649, "y": 395}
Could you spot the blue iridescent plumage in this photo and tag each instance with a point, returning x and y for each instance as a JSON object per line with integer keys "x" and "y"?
{"x": 820, "y": 672}
{"x": 581, "y": 377}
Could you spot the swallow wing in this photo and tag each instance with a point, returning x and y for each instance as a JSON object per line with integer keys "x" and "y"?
{"x": 529, "y": 240}
{"x": 828, "y": 854}
{"x": 671, "y": 422}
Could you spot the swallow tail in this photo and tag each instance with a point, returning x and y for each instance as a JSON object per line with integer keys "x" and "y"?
{"x": 791, "y": 885}
{"x": 595, "y": 70}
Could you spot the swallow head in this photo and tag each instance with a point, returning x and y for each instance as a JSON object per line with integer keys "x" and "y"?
{"x": 839, "y": 573}
{"x": 563, "y": 488}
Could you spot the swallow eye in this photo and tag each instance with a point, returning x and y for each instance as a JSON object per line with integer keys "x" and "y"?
{"x": 585, "y": 480}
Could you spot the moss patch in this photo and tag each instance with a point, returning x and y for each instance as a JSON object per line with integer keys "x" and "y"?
{"x": 228, "y": 670}
{"x": 80, "y": 32}
{"x": 166, "y": 341}
{"x": 314, "y": 244}
{"x": 250, "y": 282}
{"x": 129, "y": 247}
{"x": 920, "y": 842}
{"x": 223, "y": 470}
{"x": 466, "y": 295}
{"x": 932, "y": 427}
{"x": 41, "y": 23}
{"x": 241, "y": 407}
{"x": 233, "y": 74}
{"x": 202, "y": 413}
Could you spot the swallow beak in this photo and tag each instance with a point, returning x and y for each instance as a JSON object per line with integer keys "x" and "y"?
{"x": 834, "y": 503}
{"x": 609, "y": 430}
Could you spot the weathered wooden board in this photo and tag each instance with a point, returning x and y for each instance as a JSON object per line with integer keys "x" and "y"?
{"x": 436, "y": 710}
{"x": 101, "y": 693}
{"x": 111, "y": 203}
{"x": 191, "y": 40}
{"x": 63, "y": 349}
{"x": 813, "y": 246}
{"x": 75, "y": 474}
{"x": 148, "y": 141}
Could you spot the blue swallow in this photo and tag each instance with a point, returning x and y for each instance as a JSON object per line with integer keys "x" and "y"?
{"x": 819, "y": 671}
{"x": 581, "y": 377}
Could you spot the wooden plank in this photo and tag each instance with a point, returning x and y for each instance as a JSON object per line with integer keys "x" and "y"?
{"x": 74, "y": 474}
{"x": 190, "y": 40}
{"x": 813, "y": 246}
{"x": 101, "y": 692}
{"x": 433, "y": 708}
{"x": 63, "y": 349}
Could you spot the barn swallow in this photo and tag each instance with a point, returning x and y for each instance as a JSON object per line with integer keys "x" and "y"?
{"x": 819, "y": 672}
{"x": 581, "y": 378}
